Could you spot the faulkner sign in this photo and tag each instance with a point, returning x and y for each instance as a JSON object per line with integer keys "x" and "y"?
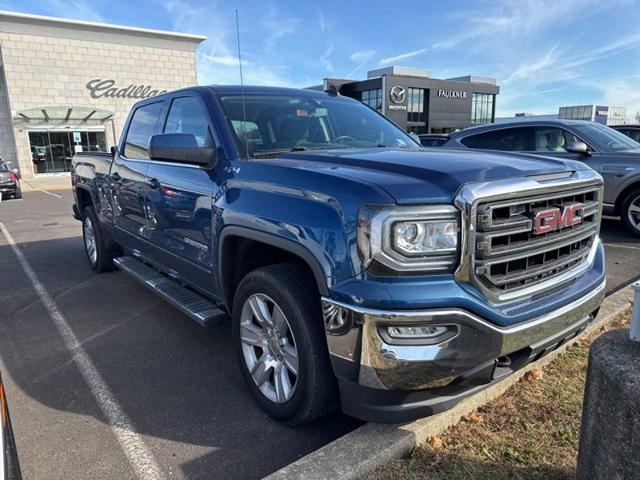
{"x": 99, "y": 88}
{"x": 452, "y": 94}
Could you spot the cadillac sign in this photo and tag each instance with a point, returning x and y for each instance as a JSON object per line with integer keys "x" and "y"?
{"x": 452, "y": 94}
{"x": 99, "y": 88}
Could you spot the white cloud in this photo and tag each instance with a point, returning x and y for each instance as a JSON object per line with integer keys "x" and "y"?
{"x": 322, "y": 22}
{"x": 217, "y": 56}
{"x": 362, "y": 56}
{"x": 227, "y": 60}
{"x": 325, "y": 60}
{"x": 277, "y": 24}
{"x": 402, "y": 56}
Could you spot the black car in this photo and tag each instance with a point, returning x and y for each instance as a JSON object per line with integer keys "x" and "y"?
{"x": 9, "y": 182}
{"x": 615, "y": 156}
{"x": 631, "y": 131}
{"x": 433, "y": 139}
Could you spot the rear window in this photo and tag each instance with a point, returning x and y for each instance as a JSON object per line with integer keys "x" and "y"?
{"x": 506, "y": 139}
{"x": 143, "y": 125}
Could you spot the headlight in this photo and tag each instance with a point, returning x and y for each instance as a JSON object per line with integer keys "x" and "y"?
{"x": 410, "y": 238}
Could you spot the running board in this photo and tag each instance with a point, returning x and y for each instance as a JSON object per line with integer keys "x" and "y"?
{"x": 195, "y": 306}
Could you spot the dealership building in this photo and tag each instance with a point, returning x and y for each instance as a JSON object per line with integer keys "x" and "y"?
{"x": 419, "y": 103}
{"x": 67, "y": 86}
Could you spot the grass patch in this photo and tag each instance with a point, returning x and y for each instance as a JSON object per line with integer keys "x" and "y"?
{"x": 529, "y": 433}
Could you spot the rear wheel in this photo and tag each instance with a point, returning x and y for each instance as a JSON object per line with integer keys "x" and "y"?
{"x": 100, "y": 250}
{"x": 279, "y": 337}
{"x": 630, "y": 212}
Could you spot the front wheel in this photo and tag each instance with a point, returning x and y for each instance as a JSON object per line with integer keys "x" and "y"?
{"x": 279, "y": 337}
{"x": 630, "y": 212}
{"x": 100, "y": 250}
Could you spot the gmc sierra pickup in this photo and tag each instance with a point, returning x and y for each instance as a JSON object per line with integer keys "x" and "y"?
{"x": 357, "y": 268}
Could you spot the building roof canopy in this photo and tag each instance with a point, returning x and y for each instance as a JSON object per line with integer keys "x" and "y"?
{"x": 65, "y": 113}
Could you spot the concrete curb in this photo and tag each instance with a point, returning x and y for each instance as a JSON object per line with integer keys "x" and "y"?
{"x": 371, "y": 445}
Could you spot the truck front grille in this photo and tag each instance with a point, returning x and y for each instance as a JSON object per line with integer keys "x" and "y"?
{"x": 510, "y": 255}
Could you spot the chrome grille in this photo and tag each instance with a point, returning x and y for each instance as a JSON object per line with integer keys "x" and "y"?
{"x": 508, "y": 256}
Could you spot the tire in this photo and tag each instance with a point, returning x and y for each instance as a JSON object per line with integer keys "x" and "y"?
{"x": 100, "y": 249}
{"x": 630, "y": 212}
{"x": 312, "y": 391}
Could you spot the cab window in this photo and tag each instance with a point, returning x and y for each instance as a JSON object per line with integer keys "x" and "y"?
{"x": 141, "y": 128}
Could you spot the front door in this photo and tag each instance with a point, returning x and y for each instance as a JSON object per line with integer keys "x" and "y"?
{"x": 129, "y": 175}
{"x": 179, "y": 212}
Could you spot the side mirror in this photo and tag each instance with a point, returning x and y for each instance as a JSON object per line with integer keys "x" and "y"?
{"x": 16, "y": 172}
{"x": 181, "y": 148}
{"x": 579, "y": 147}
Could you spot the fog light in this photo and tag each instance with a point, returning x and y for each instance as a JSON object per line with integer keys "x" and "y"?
{"x": 417, "y": 334}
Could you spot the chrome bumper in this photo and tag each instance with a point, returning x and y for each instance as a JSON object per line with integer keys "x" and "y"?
{"x": 382, "y": 365}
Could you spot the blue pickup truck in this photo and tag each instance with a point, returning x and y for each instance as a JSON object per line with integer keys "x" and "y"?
{"x": 357, "y": 268}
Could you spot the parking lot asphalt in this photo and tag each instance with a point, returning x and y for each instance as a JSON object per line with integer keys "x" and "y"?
{"x": 178, "y": 383}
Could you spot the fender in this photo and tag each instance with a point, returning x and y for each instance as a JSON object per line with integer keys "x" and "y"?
{"x": 321, "y": 272}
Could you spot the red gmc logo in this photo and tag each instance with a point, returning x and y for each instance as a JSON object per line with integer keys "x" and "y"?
{"x": 553, "y": 219}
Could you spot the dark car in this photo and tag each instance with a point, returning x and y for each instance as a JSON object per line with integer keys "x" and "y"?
{"x": 9, "y": 182}
{"x": 631, "y": 131}
{"x": 614, "y": 155}
{"x": 433, "y": 139}
{"x": 9, "y": 466}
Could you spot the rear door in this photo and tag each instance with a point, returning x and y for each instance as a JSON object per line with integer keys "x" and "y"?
{"x": 129, "y": 174}
{"x": 180, "y": 199}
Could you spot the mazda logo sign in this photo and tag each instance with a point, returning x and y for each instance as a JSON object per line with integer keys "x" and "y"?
{"x": 397, "y": 94}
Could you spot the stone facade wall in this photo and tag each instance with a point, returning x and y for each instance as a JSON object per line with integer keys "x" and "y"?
{"x": 43, "y": 71}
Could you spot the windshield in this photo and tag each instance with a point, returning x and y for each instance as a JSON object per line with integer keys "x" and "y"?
{"x": 607, "y": 138}
{"x": 271, "y": 124}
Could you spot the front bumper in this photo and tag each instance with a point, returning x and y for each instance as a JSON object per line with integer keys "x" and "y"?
{"x": 386, "y": 382}
{"x": 8, "y": 188}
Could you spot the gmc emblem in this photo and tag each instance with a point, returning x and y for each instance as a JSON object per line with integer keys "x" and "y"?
{"x": 553, "y": 219}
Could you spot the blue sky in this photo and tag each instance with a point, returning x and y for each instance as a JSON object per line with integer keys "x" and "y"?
{"x": 545, "y": 54}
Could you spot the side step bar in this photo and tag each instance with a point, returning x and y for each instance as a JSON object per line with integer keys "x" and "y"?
{"x": 195, "y": 306}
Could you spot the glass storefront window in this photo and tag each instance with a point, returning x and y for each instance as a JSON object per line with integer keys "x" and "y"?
{"x": 482, "y": 108}
{"x": 415, "y": 105}
{"x": 373, "y": 98}
{"x": 51, "y": 151}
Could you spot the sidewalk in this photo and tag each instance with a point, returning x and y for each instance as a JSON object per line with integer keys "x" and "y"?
{"x": 57, "y": 182}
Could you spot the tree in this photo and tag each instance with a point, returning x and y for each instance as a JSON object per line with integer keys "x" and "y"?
{"x": 638, "y": 117}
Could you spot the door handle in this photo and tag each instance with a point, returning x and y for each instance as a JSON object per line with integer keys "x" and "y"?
{"x": 153, "y": 183}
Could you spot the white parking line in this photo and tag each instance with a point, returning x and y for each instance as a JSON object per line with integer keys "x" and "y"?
{"x": 630, "y": 247}
{"x": 140, "y": 457}
{"x": 51, "y": 193}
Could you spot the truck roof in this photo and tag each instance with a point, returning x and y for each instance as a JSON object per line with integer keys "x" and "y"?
{"x": 235, "y": 89}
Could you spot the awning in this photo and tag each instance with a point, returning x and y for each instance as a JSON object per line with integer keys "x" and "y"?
{"x": 47, "y": 114}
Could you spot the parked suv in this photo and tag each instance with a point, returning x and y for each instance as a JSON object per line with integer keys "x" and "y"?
{"x": 354, "y": 264}
{"x": 615, "y": 156}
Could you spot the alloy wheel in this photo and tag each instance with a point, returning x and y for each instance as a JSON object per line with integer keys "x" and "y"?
{"x": 633, "y": 213}
{"x": 90, "y": 241}
{"x": 269, "y": 348}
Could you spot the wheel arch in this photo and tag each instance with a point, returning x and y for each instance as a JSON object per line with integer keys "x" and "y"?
{"x": 635, "y": 184}
{"x": 262, "y": 249}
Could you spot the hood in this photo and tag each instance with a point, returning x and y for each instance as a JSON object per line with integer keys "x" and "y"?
{"x": 425, "y": 176}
